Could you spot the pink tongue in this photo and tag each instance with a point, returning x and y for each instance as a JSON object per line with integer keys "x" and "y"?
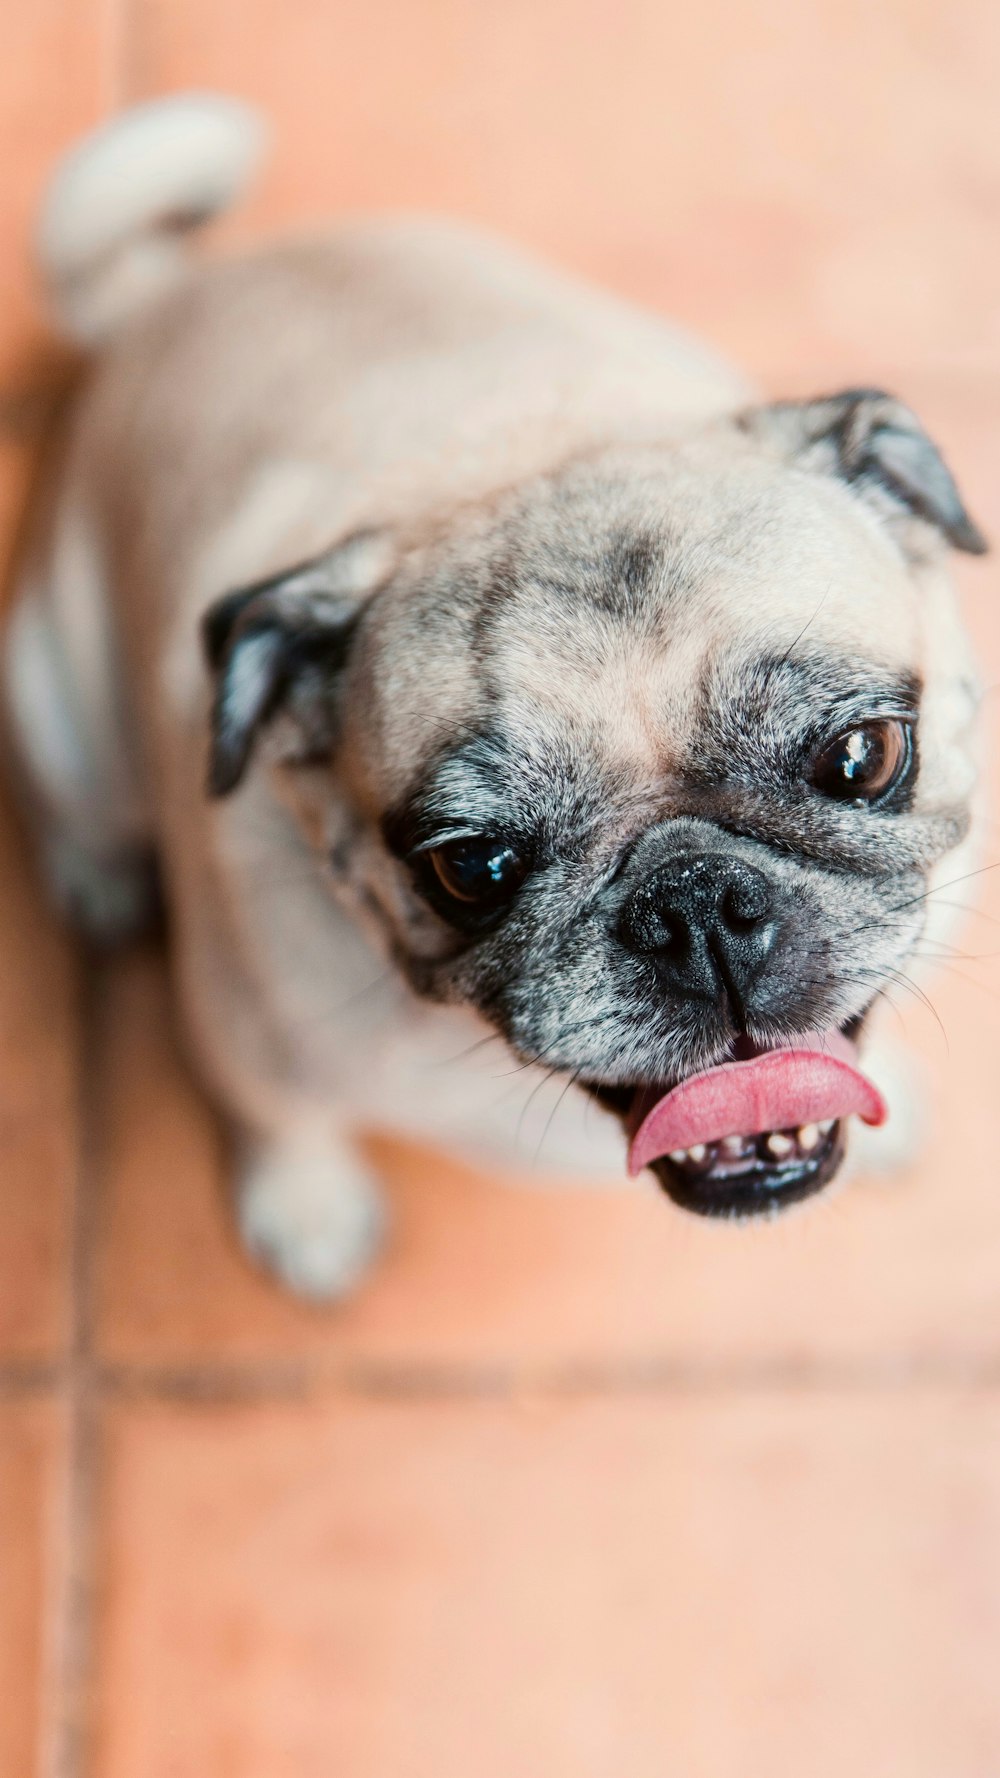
{"x": 779, "y": 1090}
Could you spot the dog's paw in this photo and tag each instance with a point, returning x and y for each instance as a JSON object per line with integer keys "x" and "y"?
{"x": 311, "y": 1215}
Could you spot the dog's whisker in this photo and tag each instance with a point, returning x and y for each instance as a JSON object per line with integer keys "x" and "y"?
{"x": 793, "y": 645}
{"x": 472, "y": 1049}
{"x": 550, "y": 1075}
{"x": 964, "y": 907}
{"x": 900, "y": 979}
{"x": 571, "y": 1082}
{"x": 991, "y": 991}
{"x": 928, "y": 894}
{"x": 333, "y": 1011}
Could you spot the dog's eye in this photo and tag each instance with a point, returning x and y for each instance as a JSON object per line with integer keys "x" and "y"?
{"x": 866, "y": 763}
{"x": 482, "y": 872}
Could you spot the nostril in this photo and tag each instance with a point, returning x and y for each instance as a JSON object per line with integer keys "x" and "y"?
{"x": 744, "y": 904}
{"x": 674, "y": 935}
{"x": 659, "y": 931}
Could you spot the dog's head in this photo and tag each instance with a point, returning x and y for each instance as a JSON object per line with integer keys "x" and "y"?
{"x": 649, "y": 760}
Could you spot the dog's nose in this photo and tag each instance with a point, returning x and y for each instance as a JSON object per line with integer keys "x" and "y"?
{"x": 707, "y": 919}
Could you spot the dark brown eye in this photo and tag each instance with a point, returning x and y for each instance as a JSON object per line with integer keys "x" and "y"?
{"x": 866, "y": 762}
{"x": 482, "y": 872}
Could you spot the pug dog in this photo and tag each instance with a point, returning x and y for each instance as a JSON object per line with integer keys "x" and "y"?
{"x": 506, "y": 695}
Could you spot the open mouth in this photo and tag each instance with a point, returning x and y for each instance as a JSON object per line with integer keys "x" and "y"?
{"x": 759, "y": 1131}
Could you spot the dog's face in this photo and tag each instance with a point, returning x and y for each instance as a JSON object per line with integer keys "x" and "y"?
{"x": 649, "y": 761}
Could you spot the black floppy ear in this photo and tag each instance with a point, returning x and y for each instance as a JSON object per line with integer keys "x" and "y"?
{"x": 878, "y": 446}
{"x": 279, "y": 645}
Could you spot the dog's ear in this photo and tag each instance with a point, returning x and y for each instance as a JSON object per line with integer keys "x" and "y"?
{"x": 875, "y": 444}
{"x": 279, "y": 646}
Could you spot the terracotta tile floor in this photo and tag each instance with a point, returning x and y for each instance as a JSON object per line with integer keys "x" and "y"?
{"x": 575, "y": 1488}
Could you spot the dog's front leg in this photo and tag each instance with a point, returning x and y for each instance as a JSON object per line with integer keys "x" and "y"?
{"x": 307, "y": 1206}
{"x": 261, "y": 964}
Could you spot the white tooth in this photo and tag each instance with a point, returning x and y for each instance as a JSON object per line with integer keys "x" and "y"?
{"x": 779, "y": 1144}
{"x": 808, "y": 1136}
{"x": 732, "y": 1145}
{"x": 678, "y": 1156}
{"x": 824, "y": 1129}
{"x": 697, "y": 1153}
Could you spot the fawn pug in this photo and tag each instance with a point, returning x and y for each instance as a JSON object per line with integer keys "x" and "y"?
{"x": 478, "y": 658}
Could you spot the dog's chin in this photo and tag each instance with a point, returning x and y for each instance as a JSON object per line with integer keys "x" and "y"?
{"x": 741, "y": 1177}
{"x": 758, "y": 1171}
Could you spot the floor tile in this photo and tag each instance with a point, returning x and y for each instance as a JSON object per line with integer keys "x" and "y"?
{"x": 18, "y": 463}
{"x": 790, "y": 181}
{"x": 768, "y": 1584}
{"x": 36, "y": 1162}
{"x": 38, "y": 1018}
{"x": 29, "y": 1478}
{"x": 58, "y": 78}
{"x": 757, "y": 1527}
{"x": 38, "y": 1123}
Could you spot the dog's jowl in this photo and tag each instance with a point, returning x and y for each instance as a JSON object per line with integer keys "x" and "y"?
{"x": 502, "y": 690}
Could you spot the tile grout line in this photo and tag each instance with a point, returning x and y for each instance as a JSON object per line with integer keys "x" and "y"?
{"x": 66, "y": 1701}
{"x": 20, "y": 1381}
{"x": 312, "y": 1379}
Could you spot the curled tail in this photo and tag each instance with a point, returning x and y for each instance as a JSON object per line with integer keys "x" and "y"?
{"x": 112, "y": 226}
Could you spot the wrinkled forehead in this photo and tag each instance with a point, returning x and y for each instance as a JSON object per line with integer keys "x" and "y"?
{"x": 627, "y": 629}
{"x": 611, "y": 617}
